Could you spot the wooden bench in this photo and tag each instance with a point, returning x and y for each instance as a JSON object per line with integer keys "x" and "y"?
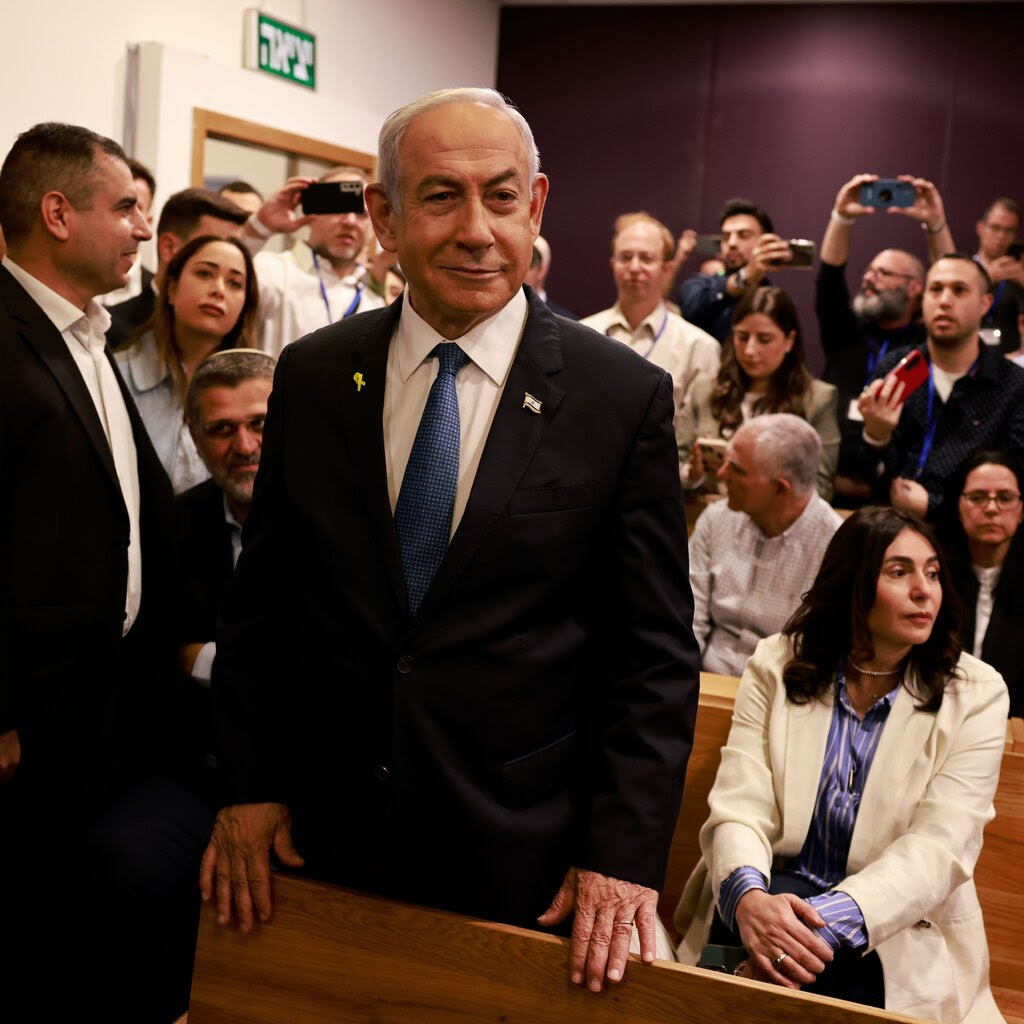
{"x": 999, "y": 874}
{"x": 330, "y": 955}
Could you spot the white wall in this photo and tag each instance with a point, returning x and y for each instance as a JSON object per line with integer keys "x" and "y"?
{"x": 65, "y": 60}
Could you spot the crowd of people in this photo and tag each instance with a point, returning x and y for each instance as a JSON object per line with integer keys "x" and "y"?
{"x": 439, "y": 636}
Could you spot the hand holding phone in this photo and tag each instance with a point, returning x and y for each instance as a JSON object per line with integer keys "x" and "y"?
{"x": 886, "y": 192}
{"x": 881, "y": 403}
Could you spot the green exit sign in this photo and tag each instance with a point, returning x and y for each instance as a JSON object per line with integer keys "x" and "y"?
{"x": 280, "y": 49}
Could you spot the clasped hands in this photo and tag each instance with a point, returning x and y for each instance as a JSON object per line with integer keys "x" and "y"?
{"x": 777, "y": 933}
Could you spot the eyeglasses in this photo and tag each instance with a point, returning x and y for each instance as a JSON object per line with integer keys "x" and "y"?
{"x": 1004, "y": 499}
{"x": 647, "y": 259}
{"x": 882, "y": 272}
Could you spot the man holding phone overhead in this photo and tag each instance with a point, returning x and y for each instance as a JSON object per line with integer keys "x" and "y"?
{"x": 920, "y": 426}
{"x": 321, "y": 280}
{"x": 882, "y": 317}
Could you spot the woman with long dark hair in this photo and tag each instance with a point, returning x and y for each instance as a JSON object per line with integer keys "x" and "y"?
{"x": 763, "y": 370}
{"x": 979, "y": 529}
{"x": 208, "y": 301}
{"x": 848, "y": 810}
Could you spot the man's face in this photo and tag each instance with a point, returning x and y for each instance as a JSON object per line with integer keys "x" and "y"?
{"x": 340, "y": 237}
{"x": 748, "y": 487}
{"x": 887, "y": 289}
{"x": 996, "y": 232}
{"x": 638, "y": 263}
{"x": 104, "y": 235}
{"x": 229, "y": 434}
{"x": 465, "y": 234}
{"x": 955, "y": 300}
{"x": 739, "y": 233}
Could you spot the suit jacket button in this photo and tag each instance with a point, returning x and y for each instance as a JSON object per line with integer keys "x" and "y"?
{"x": 381, "y": 772}
{"x": 405, "y": 664}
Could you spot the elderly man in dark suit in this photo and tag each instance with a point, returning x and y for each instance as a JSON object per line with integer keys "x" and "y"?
{"x": 84, "y": 534}
{"x": 456, "y": 664}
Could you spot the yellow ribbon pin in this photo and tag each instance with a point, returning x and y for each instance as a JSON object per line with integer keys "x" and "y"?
{"x": 358, "y": 378}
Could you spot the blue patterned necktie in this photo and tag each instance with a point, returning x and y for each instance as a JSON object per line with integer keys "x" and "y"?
{"x": 423, "y": 513}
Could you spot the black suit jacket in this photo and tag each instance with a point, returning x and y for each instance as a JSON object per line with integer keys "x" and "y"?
{"x": 538, "y": 710}
{"x": 205, "y": 561}
{"x": 128, "y": 316}
{"x": 77, "y": 692}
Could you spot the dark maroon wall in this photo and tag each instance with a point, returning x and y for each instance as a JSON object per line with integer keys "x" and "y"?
{"x": 675, "y": 109}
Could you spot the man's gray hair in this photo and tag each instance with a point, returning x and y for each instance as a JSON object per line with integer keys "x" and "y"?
{"x": 226, "y": 369}
{"x": 391, "y": 134}
{"x": 785, "y": 445}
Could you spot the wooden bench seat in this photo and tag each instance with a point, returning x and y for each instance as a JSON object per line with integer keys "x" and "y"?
{"x": 333, "y": 956}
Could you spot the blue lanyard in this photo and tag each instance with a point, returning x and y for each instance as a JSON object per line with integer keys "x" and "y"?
{"x": 874, "y": 358}
{"x": 661, "y": 331}
{"x": 933, "y": 418}
{"x": 353, "y": 305}
{"x": 990, "y": 316}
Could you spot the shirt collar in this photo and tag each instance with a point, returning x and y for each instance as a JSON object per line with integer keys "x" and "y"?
{"x": 146, "y": 369}
{"x": 229, "y": 516}
{"x": 882, "y": 705}
{"x": 491, "y": 345}
{"x": 653, "y": 320}
{"x": 64, "y": 315}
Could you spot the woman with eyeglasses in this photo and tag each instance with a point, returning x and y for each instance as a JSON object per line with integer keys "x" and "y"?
{"x": 848, "y": 808}
{"x": 984, "y": 547}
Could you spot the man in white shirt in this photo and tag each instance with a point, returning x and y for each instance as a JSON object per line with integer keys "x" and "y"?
{"x": 753, "y": 557}
{"x": 318, "y": 281}
{"x": 456, "y": 655}
{"x": 642, "y": 250}
{"x": 86, "y": 688}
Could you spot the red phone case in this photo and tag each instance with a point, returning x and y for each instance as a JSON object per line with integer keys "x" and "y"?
{"x": 912, "y": 370}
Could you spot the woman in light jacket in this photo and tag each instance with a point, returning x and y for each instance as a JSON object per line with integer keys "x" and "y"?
{"x": 847, "y": 813}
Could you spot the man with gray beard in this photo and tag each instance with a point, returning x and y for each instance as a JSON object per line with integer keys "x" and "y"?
{"x": 884, "y": 314}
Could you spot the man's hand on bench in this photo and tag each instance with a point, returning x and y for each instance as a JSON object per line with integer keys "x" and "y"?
{"x": 606, "y": 910}
{"x": 236, "y": 864}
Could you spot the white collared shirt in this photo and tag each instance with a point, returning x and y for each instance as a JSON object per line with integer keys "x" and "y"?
{"x": 491, "y": 347}
{"x": 83, "y": 333}
{"x": 291, "y": 300}
{"x": 666, "y": 340}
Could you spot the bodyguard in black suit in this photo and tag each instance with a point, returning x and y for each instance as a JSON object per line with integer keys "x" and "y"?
{"x": 520, "y": 731}
{"x": 84, "y": 541}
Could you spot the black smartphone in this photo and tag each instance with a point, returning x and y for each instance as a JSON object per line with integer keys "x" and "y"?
{"x": 708, "y": 245}
{"x": 887, "y": 192}
{"x": 1015, "y": 250}
{"x": 333, "y": 197}
{"x": 803, "y": 255}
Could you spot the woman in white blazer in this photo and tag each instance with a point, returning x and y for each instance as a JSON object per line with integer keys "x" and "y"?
{"x": 848, "y": 810}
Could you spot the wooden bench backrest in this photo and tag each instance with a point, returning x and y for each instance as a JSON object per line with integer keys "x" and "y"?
{"x": 330, "y": 955}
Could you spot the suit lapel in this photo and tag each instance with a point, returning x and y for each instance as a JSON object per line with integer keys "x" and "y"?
{"x": 515, "y": 433}
{"x": 361, "y": 381}
{"x": 807, "y": 728}
{"x": 38, "y": 331}
{"x": 906, "y": 733}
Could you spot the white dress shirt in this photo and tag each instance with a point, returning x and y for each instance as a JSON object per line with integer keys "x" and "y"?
{"x": 83, "y": 333}
{"x": 293, "y": 291}
{"x": 491, "y": 347}
{"x": 667, "y": 340}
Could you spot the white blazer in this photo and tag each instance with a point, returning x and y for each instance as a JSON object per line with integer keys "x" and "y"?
{"x": 917, "y": 836}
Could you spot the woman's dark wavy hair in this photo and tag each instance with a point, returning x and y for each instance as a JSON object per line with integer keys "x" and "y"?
{"x": 848, "y": 579}
{"x": 161, "y": 323}
{"x": 789, "y": 384}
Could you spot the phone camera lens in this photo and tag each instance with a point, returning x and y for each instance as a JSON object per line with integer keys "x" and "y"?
{"x": 885, "y": 195}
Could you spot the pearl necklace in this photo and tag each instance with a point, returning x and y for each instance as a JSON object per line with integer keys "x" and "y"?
{"x": 870, "y": 672}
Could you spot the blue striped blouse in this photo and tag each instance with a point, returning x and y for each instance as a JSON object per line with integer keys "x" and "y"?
{"x": 849, "y": 753}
